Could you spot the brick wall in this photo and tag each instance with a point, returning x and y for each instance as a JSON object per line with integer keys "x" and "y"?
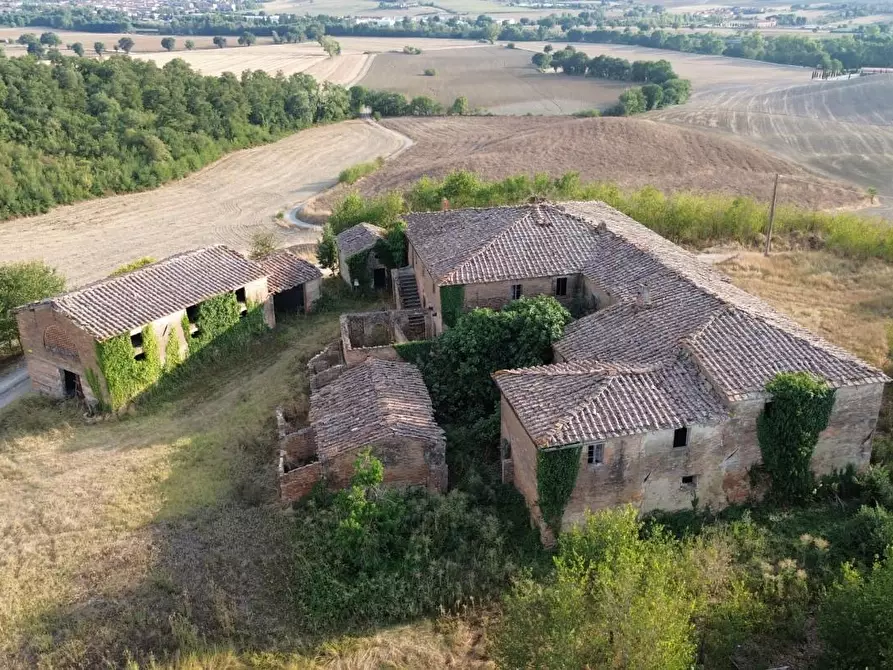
{"x": 498, "y": 294}
{"x": 847, "y": 439}
{"x": 403, "y": 460}
{"x": 523, "y": 456}
{"x": 297, "y": 483}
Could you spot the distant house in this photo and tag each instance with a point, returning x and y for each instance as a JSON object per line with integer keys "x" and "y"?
{"x": 380, "y": 404}
{"x": 60, "y": 335}
{"x": 660, "y": 388}
{"x": 361, "y": 239}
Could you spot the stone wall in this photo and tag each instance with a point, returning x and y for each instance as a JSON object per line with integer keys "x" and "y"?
{"x": 496, "y": 295}
{"x": 403, "y": 459}
{"x": 429, "y": 292}
{"x": 523, "y": 454}
{"x": 847, "y": 439}
{"x": 311, "y": 294}
{"x": 373, "y": 334}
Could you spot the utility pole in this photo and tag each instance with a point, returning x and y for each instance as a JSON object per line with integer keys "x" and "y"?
{"x": 771, "y": 216}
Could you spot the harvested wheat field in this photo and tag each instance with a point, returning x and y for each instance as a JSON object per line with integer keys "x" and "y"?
{"x": 499, "y": 80}
{"x": 631, "y": 152}
{"x": 226, "y": 202}
{"x": 705, "y": 72}
{"x": 842, "y": 129}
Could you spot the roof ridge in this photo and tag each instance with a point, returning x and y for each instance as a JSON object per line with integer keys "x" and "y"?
{"x": 477, "y": 251}
{"x": 574, "y": 413}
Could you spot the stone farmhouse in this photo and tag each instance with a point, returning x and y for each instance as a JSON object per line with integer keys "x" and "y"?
{"x": 661, "y": 384}
{"x": 361, "y": 239}
{"x": 60, "y": 335}
{"x": 380, "y": 404}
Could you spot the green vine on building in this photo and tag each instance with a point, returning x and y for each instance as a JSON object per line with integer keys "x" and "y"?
{"x": 452, "y": 300}
{"x": 126, "y": 376}
{"x": 788, "y": 430}
{"x": 556, "y": 476}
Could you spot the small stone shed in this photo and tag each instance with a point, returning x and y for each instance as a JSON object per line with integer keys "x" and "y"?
{"x": 365, "y": 334}
{"x": 294, "y": 282}
{"x": 360, "y": 239}
{"x": 383, "y": 405}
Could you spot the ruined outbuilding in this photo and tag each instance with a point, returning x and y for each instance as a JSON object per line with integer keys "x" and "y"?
{"x": 380, "y": 404}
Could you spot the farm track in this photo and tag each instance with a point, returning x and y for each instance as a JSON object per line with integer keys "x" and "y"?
{"x": 226, "y": 202}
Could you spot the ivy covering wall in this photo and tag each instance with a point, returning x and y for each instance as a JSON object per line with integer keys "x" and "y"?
{"x": 556, "y": 476}
{"x": 452, "y": 300}
{"x": 358, "y": 267}
{"x": 215, "y": 317}
{"x": 126, "y": 376}
{"x": 788, "y": 430}
{"x": 416, "y": 352}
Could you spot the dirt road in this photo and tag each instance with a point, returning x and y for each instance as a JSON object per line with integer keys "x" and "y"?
{"x": 226, "y": 202}
{"x": 14, "y": 382}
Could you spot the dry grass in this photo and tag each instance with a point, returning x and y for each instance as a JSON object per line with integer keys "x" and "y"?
{"x": 630, "y": 152}
{"x": 500, "y": 80}
{"x": 226, "y": 202}
{"x": 849, "y": 303}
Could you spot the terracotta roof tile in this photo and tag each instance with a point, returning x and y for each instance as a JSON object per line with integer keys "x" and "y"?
{"x": 284, "y": 270}
{"x": 359, "y": 238}
{"x": 119, "y": 304}
{"x": 373, "y": 401}
{"x": 580, "y": 401}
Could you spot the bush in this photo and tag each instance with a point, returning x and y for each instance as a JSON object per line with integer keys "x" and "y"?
{"x": 854, "y": 621}
{"x": 383, "y": 211}
{"x": 133, "y": 265}
{"x": 458, "y": 368}
{"x": 616, "y": 600}
{"x": 430, "y": 72}
{"x": 876, "y": 486}
{"x": 370, "y": 556}
{"x": 356, "y": 172}
{"x": 867, "y": 535}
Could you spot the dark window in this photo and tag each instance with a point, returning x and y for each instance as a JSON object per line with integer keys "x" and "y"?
{"x": 561, "y": 286}
{"x": 595, "y": 454}
{"x": 688, "y": 480}
{"x": 240, "y": 294}
{"x": 192, "y": 313}
{"x": 767, "y": 408}
{"x": 516, "y": 291}
{"x": 136, "y": 340}
{"x": 680, "y": 437}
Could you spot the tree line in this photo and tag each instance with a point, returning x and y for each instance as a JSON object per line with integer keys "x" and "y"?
{"x": 662, "y": 88}
{"x": 79, "y": 128}
{"x": 866, "y": 49}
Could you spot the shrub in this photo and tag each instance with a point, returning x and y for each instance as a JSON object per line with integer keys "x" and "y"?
{"x": 356, "y": 172}
{"x": 263, "y": 243}
{"x": 412, "y": 51}
{"x": 788, "y": 430}
{"x": 430, "y": 72}
{"x": 854, "y": 622}
{"x": 134, "y": 265}
{"x": 867, "y": 534}
{"x": 370, "y": 556}
{"x": 383, "y": 211}
{"x": 876, "y": 486}
{"x": 616, "y": 600}
{"x": 587, "y": 114}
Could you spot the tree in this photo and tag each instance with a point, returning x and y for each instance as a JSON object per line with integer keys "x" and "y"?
{"x": 542, "y": 61}
{"x": 78, "y": 48}
{"x": 548, "y": 48}
{"x": 872, "y": 193}
{"x": 491, "y": 32}
{"x": 168, "y": 43}
{"x": 50, "y": 39}
{"x": 26, "y": 39}
{"x": 189, "y": 44}
{"x": 459, "y": 106}
{"x": 36, "y": 49}
{"x": 632, "y": 102}
{"x": 617, "y": 599}
{"x": 424, "y": 106}
{"x": 219, "y": 41}
{"x": 246, "y": 39}
{"x": 326, "y": 250}
{"x": 21, "y": 283}
{"x": 330, "y": 46}
{"x": 654, "y": 95}
{"x": 125, "y": 44}
{"x": 99, "y": 47}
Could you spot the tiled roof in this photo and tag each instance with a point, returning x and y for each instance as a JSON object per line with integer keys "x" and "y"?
{"x": 284, "y": 270}
{"x": 739, "y": 341}
{"x": 580, "y": 401}
{"x": 358, "y": 238}
{"x": 467, "y": 246}
{"x": 373, "y": 401}
{"x": 119, "y": 304}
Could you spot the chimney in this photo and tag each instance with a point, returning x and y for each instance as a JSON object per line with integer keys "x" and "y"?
{"x": 643, "y": 298}
{"x": 444, "y": 205}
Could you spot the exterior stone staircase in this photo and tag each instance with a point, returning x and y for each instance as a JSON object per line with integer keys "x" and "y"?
{"x": 408, "y": 296}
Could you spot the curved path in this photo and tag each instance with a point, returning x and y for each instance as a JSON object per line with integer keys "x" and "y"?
{"x": 226, "y": 202}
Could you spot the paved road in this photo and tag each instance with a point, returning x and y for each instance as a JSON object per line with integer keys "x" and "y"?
{"x": 14, "y": 383}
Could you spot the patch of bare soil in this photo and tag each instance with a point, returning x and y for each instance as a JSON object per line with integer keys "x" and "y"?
{"x": 630, "y": 152}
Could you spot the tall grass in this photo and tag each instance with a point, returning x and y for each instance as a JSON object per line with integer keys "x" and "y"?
{"x": 356, "y": 172}
{"x": 685, "y": 218}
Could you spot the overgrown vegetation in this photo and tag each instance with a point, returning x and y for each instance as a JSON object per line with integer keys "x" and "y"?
{"x": 133, "y": 265}
{"x": 788, "y": 429}
{"x": 459, "y": 363}
{"x": 556, "y": 476}
{"x": 685, "y": 218}
{"x": 21, "y": 283}
{"x": 356, "y": 172}
{"x": 127, "y": 375}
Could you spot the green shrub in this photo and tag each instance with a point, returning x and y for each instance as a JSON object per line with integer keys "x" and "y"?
{"x": 867, "y": 535}
{"x": 854, "y": 622}
{"x": 371, "y": 556}
{"x": 430, "y": 72}
{"x": 615, "y": 600}
{"x": 134, "y": 265}
{"x": 788, "y": 430}
{"x": 876, "y": 486}
{"x": 383, "y": 211}
{"x": 356, "y": 172}
{"x": 415, "y": 352}
{"x": 587, "y": 114}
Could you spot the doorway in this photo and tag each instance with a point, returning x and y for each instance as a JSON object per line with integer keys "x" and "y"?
{"x": 72, "y": 385}
{"x": 380, "y": 278}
